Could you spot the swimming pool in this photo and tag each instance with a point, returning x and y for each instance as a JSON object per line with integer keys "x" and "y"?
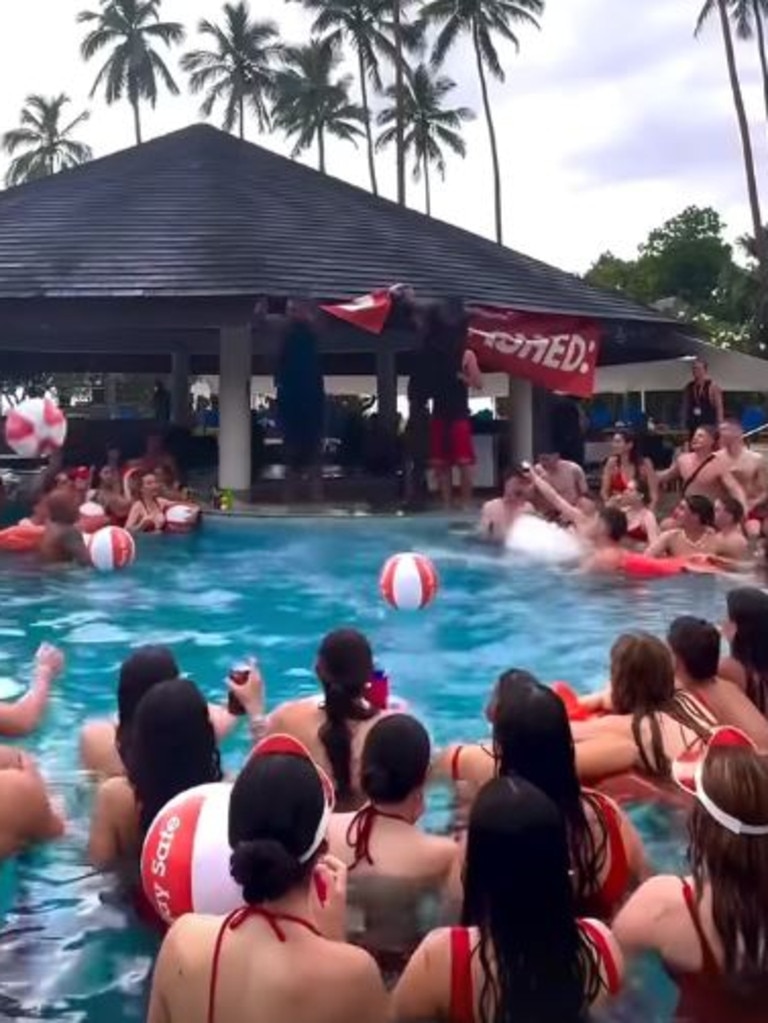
{"x": 273, "y": 588}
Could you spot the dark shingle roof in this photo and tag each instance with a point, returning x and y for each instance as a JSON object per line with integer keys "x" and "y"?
{"x": 200, "y": 213}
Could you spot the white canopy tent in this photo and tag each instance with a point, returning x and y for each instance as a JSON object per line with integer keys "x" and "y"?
{"x": 733, "y": 371}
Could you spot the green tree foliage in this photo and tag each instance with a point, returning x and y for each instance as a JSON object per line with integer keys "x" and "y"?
{"x": 687, "y": 266}
{"x": 42, "y": 144}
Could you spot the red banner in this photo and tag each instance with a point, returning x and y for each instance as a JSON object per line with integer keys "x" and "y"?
{"x": 558, "y": 353}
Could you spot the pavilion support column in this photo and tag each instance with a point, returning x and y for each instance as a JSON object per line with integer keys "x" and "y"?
{"x": 386, "y": 388}
{"x": 235, "y": 364}
{"x": 520, "y": 420}
{"x": 180, "y": 388}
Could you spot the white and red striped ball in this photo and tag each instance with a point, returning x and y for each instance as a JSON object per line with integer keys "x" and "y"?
{"x": 181, "y": 518}
{"x": 92, "y": 517}
{"x": 111, "y": 548}
{"x": 35, "y": 427}
{"x": 186, "y": 854}
{"x": 408, "y": 582}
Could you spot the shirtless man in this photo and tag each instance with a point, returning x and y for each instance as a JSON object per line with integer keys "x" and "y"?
{"x": 729, "y": 521}
{"x": 26, "y": 813}
{"x": 62, "y": 542}
{"x": 695, "y": 534}
{"x": 747, "y": 467}
{"x": 497, "y": 516}
{"x": 702, "y": 472}
{"x": 567, "y": 478}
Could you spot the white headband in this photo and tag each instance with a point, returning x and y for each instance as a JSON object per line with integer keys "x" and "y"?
{"x": 725, "y": 820}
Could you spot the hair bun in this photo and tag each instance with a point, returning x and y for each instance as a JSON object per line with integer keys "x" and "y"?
{"x": 265, "y": 869}
{"x": 376, "y": 781}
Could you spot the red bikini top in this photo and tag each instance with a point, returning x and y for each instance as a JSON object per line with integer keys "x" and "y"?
{"x": 360, "y": 831}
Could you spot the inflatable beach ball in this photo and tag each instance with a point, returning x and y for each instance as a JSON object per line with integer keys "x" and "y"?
{"x": 181, "y": 518}
{"x": 35, "y": 427}
{"x": 111, "y": 548}
{"x": 92, "y": 517}
{"x": 185, "y": 858}
{"x": 408, "y": 582}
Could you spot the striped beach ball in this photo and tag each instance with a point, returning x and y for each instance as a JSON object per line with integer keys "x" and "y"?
{"x": 408, "y": 581}
{"x": 35, "y": 427}
{"x": 185, "y": 857}
{"x": 111, "y": 548}
{"x": 181, "y": 518}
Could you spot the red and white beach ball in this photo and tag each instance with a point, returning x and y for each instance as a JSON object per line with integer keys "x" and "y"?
{"x": 186, "y": 854}
{"x": 408, "y": 582}
{"x": 181, "y": 518}
{"x": 92, "y": 517}
{"x": 35, "y": 427}
{"x": 111, "y": 548}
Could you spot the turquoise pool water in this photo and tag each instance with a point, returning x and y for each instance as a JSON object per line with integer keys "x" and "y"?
{"x": 69, "y": 949}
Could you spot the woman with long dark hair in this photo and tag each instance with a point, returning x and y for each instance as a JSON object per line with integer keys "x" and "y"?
{"x": 334, "y": 727}
{"x": 172, "y": 749}
{"x": 532, "y": 740}
{"x": 281, "y": 958}
{"x": 747, "y": 632}
{"x": 104, "y": 743}
{"x": 626, "y": 465}
{"x": 711, "y": 928}
{"x": 521, "y": 954}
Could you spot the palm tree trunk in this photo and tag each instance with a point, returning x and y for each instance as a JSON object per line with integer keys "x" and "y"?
{"x": 427, "y": 196}
{"x": 241, "y": 117}
{"x": 136, "y": 120}
{"x": 368, "y": 132}
{"x": 761, "y": 49}
{"x": 491, "y": 137}
{"x": 321, "y": 150}
{"x": 746, "y": 141}
{"x": 399, "y": 89}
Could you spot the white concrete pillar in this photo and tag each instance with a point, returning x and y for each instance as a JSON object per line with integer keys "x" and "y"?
{"x": 235, "y": 363}
{"x": 180, "y": 388}
{"x": 520, "y": 420}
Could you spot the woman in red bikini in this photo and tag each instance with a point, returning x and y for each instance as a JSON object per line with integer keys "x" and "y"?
{"x": 282, "y": 957}
{"x": 711, "y": 928}
{"x": 642, "y": 525}
{"x": 532, "y": 739}
{"x": 147, "y": 514}
{"x": 172, "y": 749}
{"x": 626, "y": 465}
{"x": 394, "y": 866}
{"x": 746, "y": 629}
{"x": 521, "y": 952}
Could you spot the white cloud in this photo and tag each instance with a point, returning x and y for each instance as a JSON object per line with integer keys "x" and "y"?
{"x": 607, "y": 123}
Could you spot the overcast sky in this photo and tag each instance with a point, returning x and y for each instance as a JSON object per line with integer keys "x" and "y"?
{"x": 606, "y": 126}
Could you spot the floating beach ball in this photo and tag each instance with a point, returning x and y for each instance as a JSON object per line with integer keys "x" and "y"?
{"x": 35, "y": 427}
{"x": 186, "y": 854}
{"x": 92, "y": 517}
{"x": 111, "y": 548}
{"x": 408, "y": 582}
{"x": 181, "y": 518}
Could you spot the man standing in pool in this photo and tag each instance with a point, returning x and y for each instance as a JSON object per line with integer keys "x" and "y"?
{"x": 747, "y": 467}
{"x": 498, "y": 516}
{"x": 702, "y": 472}
{"x": 62, "y": 542}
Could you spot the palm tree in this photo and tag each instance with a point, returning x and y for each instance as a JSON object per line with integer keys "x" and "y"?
{"x": 308, "y": 103}
{"x": 427, "y": 124}
{"x": 749, "y": 15}
{"x": 481, "y": 19}
{"x": 133, "y": 67}
{"x": 722, "y": 9}
{"x": 238, "y": 70}
{"x": 47, "y": 144}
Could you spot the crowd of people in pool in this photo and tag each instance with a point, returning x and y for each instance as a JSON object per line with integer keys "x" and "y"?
{"x": 70, "y": 504}
{"x": 718, "y": 523}
{"x": 526, "y": 912}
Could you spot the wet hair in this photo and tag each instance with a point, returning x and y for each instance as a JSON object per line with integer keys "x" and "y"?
{"x": 173, "y": 747}
{"x": 615, "y": 521}
{"x": 532, "y": 739}
{"x": 696, "y": 643}
{"x": 735, "y": 866}
{"x": 145, "y": 668}
{"x": 701, "y": 507}
{"x": 395, "y": 760}
{"x": 643, "y": 685}
{"x": 537, "y": 964}
{"x": 275, "y": 809}
{"x": 62, "y": 507}
{"x": 345, "y": 667}
{"x": 748, "y": 610}
{"x": 734, "y": 508}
